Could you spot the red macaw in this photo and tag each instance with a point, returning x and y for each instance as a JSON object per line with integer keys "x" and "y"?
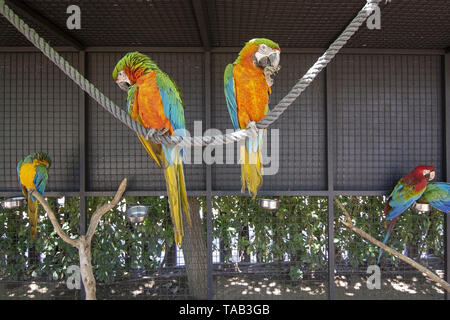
{"x": 155, "y": 102}
{"x": 247, "y": 85}
{"x": 409, "y": 189}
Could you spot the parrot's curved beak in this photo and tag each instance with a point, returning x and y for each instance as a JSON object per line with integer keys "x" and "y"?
{"x": 271, "y": 59}
{"x": 430, "y": 176}
{"x": 122, "y": 81}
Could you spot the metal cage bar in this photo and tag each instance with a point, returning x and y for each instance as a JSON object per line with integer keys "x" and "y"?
{"x": 446, "y": 85}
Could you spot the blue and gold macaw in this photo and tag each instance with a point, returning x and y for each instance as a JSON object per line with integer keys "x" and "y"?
{"x": 32, "y": 172}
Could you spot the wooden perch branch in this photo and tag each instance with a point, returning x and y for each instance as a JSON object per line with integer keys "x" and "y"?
{"x": 53, "y": 220}
{"x": 402, "y": 257}
{"x": 98, "y": 214}
{"x": 83, "y": 243}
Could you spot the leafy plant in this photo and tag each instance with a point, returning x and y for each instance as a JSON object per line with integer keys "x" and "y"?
{"x": 295, "y": 233}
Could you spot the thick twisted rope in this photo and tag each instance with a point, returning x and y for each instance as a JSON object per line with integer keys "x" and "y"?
{"x": 238, "y": 135}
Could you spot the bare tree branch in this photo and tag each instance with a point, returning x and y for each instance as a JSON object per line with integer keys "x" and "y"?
{"x": 54, "y": 221}
{"x": 98, "y": 214}
{"x": 83, "y": 243}
{"x": 402, "y": 257}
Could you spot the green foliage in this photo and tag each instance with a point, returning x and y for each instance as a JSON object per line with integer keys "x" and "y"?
{"x": 297, "y": 232}
{"x": 416, "y": 232}
{"x": 19, "y": 255}
{"x": 120, "y": 246}
{"x": 298, "y": 229}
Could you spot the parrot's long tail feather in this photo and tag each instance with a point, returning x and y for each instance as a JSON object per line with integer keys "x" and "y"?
{"x": 176, "y": 191}
{"x": 183, "y": 194}
{"x": 386, "y": 237}
{"x": 251, "y": 170}
{"x": 153, "y": 149}
{"x": 33, "y": 216}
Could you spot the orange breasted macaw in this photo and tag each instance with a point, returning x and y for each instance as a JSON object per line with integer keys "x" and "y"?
{"x": 32, "y": 172}
{"x": 155, "y": 102}
{"x": 409, "y": 189}
{"x": 247, "y": 85}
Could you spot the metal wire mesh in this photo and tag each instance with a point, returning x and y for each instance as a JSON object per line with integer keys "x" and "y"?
{"x": 141, "y": 261}
{"x": 298, "y": 163}
{"x": 387, "y": 118}
{"x": 302, "y": 24}
{"x": 299, "y": 24}
{"x": 113, "y": 150}
{"x": 37, "y": 269}
{"x": 260, "y": 254}
{"x": 39, "y": 113}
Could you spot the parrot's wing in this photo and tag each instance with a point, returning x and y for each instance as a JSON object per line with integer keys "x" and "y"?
{"x": 41, "y": 178}
{"x": 230, "y": 95}
{"x": 173, "y": 110}
{"x": 402, "y": 197}
{"x": 438, "y": 195}
{"x": 19, "y": 165}
{"x": 131, "y": 98}
{"x": 396, "y": 189}
{"x": 172, "y": 103}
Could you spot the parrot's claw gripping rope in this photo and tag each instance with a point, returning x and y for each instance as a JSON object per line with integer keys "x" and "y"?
{"x": 153, "y": 132}
{"x": 253, "y": 128}
{"x": 150, "y": 133}
{"x": 162, "y": 132}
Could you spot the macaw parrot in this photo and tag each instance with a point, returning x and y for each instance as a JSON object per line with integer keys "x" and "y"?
{"x": 409, "y": 189}
{"x": 155, "y": 102}
{"x": 247, "y": 86}
{"x": 437, "y": 194}
{"x": 32, "y": 172}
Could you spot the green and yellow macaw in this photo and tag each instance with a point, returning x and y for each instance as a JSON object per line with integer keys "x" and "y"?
{"x": 247, "y": 86}
{"x": 155, "y": 102}
{"x": 437, "y": 194}
{"x": 32, "y": 172}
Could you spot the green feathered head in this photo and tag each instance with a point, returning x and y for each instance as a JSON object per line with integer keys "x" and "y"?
{"x": 41, "y": 156}
{"x": 264, "y": 52}
{"x": 267, "y": 42}
{"x": 131, "y": 67}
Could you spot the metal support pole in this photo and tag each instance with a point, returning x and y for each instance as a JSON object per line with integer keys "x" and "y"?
{"x": 447, "y": 163}
{"x": 330, "y": 174}
{"x": 82, "y": 151}
{"x": 209, "y": 213}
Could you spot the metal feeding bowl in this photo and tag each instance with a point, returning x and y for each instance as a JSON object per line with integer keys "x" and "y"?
{"x": 421, "y": 207}
{"x": 269, "y": 204}
{"x": 13, "y": 203}
{"x": 137, "y": 214}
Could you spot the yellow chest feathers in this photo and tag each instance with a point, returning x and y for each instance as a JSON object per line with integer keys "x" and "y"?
{"x": 27, "y": 173}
